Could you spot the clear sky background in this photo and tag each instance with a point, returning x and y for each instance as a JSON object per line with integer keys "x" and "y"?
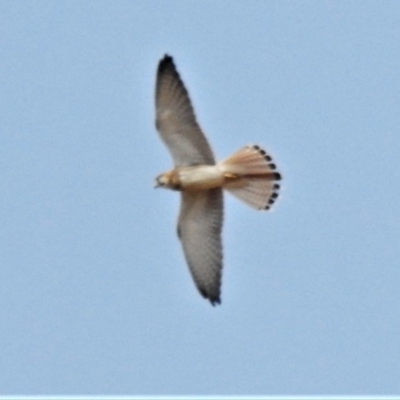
{"x": 95, "y": 296}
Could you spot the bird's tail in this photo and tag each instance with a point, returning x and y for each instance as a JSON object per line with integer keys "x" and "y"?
{"x": 251, "y": 176}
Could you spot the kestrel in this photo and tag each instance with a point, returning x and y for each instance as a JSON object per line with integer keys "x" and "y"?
{"x": 248, "y": 174}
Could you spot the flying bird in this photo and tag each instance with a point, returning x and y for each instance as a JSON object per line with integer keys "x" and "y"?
{"x": 249, "y": 174}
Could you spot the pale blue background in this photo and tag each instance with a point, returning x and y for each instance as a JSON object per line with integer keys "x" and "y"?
{"x": 95, "y": 297}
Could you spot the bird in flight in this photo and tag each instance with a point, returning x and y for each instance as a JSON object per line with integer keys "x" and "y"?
{"x": 249, "y": 174}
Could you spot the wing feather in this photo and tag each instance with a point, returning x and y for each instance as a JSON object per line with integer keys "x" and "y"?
{"x": 176, "y": 120}
{"x": 199, "y": 229}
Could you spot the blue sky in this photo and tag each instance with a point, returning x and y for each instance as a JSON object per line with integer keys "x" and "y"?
{"x": 94, "y": 291}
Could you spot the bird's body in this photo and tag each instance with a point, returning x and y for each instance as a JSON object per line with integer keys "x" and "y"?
{"x": 196, "y": 177}
{"x": 249, "y": 174}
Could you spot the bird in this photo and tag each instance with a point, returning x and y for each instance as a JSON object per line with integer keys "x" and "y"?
{"x": 249, "y": 174}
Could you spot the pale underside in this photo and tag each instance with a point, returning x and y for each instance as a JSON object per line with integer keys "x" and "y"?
{"x": 201, "y": 213}
{"x": 249, "y": 174}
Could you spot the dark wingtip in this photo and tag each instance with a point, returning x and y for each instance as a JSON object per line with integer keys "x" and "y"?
{"x": 166, "y": 62}
{"x": 215, "y": 301}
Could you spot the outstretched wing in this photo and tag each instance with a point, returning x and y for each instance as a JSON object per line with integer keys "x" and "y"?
{"x": 176, "y": 121}
{"x": 199, "y": 229}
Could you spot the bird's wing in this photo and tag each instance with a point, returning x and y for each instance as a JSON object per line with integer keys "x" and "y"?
{"x": 176, "y": 121}
{"x": 199, "y": 229}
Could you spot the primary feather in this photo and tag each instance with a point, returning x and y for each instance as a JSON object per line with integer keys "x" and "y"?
{"x": 176, "y": 120}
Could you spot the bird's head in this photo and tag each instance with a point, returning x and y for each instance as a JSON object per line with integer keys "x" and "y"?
{"x": 168, "y": 180}
{"x": 162, "y": 181}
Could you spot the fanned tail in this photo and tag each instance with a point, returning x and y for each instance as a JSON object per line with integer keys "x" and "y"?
{"x": 251, "y": 176}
